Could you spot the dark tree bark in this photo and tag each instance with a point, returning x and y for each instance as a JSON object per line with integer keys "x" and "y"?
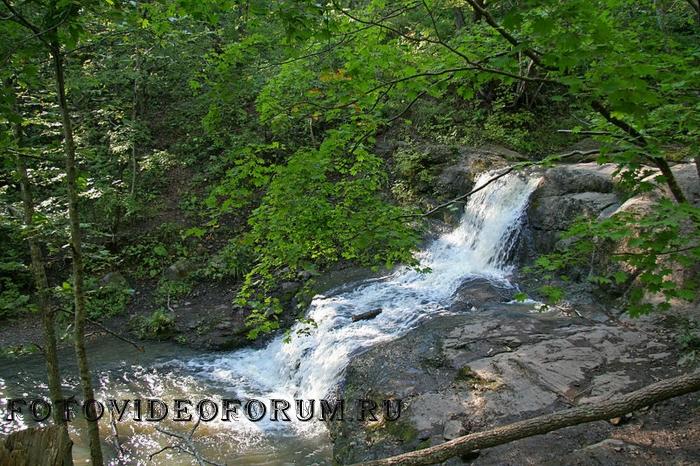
{"x": 48, "y": 317}
{"x": 478, "y": 14}
{"x": 598, "y": 106}
{"x": 48, "y": 36}
{"x": 638, "y": 139}
{"x": 39, "y": 446}
{"x": 459, "y": 18}
{"x": 695, "y": 5}
{"x": 77, "y": 252}
{"x": 613, "y": 407}
{"x": 41, "y": 283}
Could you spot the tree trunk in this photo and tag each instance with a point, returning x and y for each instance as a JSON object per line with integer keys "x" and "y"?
{"x": 671, "y": 181}
{"x": 48, "y": 317}
{"x": 38, "y": 446}
{"x": 660, "y": 15}
{"x": 477, "y": 13}
{"x": 76, "y": 247}
{"x": 613, "y": 407}
{"x": 42, "y": 288}
{"x": 459, "y": 18}
{"x": 135, "y": 111}
{"x": 639, "y": 140}
{"x": 695, "y": 5}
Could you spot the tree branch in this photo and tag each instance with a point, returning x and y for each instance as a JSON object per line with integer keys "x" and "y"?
{"x": 638, "y": 139}
{"x": 186, "y": 445}
{"x": 116, "y": 335}
{"x": 19, "y": 19}
{"x": 111, "y": 332}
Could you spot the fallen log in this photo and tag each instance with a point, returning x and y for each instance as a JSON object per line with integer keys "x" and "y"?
{"x": 610, "y": 408}
{"x": 367, "y": 315}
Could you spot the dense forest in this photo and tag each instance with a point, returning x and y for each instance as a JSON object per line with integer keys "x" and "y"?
{"x": 198, "y": 171}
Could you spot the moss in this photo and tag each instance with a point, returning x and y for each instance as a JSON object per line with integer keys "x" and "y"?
{"x": 466, "y": 374}
{"x": 424, "y": 444}
{"x": 399, "y": 429}
{"x": 402, "y": 430}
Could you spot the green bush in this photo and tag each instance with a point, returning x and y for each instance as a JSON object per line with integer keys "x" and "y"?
{"x": 157, "y": 326}
{"x": 233, "y": 261}
{"x": 416, "y": 167}
{"x": 172, "y": 289}
{"x": 12, "y": 301}
{"x": 103, "y": 298}
{"x": 149, "y": 257}
{"x": 689, "y": 342}
{"x": 107, "y": 300}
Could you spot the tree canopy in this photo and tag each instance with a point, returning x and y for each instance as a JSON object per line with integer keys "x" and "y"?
{"x": 266, "y": 120}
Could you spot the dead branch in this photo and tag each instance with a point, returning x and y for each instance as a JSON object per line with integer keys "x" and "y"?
{"x": 116, "y": 443}
{"x": 184, "y": 444}
{"x": 116, "y": 335}
{"x": 110, "y": 331}
{"x": 613, "y": 407}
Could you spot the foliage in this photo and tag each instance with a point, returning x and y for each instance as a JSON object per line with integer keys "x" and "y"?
{"x": 253, "y": 125}
{"x": 232, "y": 261}
{"x": 415, "y": 167}
{"x": 159, "y": 325}
{"x": 637, "y": 252}
{"x": 689, "y": 342}
{"x": 150, "y": 256}
{"x": 104, "y": 298}
{"x": 12, "y": 301}
{"x": 170, "y": 290}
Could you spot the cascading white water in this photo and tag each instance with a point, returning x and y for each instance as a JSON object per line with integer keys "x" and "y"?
{"x": 310, "y": 365}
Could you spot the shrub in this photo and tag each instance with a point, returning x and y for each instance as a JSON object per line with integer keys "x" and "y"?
{"x": 158, "y": 326}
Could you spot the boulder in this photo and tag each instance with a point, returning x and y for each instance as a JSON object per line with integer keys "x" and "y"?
{"x": 114, "y": 280}
{"x": 367, "y": 315}
{"x": 576, "y": 178}
{"x": 587, "y": 189}
{"x": 458, "y": 177}
{"x": 179, "y": 270}
{"x": 476, "y": 292}
{"x": 565, "y": 194}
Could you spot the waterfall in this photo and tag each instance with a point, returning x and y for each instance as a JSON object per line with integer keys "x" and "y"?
{"x": 311, "y": 365}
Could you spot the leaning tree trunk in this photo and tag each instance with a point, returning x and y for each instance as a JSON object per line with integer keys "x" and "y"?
{"x": 76, "y": 247}
{"x": 695, "y": 5}
{"x": 608, "y": 409}
{"x": 42, "y": 288}
{"x": 48, "y": 317}
{"x": 459, "y": 18}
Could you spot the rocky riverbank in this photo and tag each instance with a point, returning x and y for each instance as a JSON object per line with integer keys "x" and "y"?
{"x": 500, "y": 363}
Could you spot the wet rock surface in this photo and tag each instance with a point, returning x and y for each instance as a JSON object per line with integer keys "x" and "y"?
{"x": 458, "y": 178}
{"x": 565, "y": 194}
{"x": 468, "y": 372}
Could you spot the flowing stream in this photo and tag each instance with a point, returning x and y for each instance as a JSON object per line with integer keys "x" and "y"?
{"x": 311, "y": 365}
